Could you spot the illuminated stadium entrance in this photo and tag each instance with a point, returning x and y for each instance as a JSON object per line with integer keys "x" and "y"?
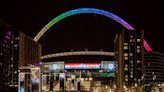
{"x": 80, "y": 74}
{"x": 77, "y": 75}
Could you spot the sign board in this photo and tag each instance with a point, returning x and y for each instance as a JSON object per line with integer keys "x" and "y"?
{"x": 108, "y": 65}
{"x": 82, "y": 66}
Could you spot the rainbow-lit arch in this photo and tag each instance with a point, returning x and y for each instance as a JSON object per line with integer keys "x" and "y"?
{"x": 88, "y": 10}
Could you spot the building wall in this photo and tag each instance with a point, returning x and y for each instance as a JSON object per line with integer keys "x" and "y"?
{"x": 134, "y": 58}
{"x": 163, "y": 68}
{"x": 119, "y": 59}
{"x": 16, "y": 49}
{"x": 5, "y": 55}
{"x": 130, "y": 58}
{"x": 154, "y": 67}
{"x": 27, "y": 50}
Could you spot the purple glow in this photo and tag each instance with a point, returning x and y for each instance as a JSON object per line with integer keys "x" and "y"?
{"x": 40, "y": 63}
{"x": 5, "y": 41}
{"x": 7, "y": 37}
{"x": 9, "y": 33}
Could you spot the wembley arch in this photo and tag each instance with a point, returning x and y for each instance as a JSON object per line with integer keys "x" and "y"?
{"x": 85, "y": 11}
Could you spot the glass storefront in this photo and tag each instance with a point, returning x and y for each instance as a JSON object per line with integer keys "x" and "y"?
{"x": 29, "y": 79}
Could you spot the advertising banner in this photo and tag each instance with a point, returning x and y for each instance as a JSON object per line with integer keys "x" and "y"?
{"x": 108, "y": 65}
{"x": 109, "y": 68}
{"x": 82, "y": 66}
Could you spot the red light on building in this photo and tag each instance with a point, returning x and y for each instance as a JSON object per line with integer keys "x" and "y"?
{"x": 82, "y": 66}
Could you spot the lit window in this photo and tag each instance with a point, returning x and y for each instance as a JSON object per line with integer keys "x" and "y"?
{"x": 126, "y": 76}
{"x": 153, "y": 78}
{"x": 138, "y": 51}
{"x": 148, "y": 64}
{"x": 15, "y": 45}
{"x": 131, "y": 54}
{"x": 131, "y": 76}
{"x": 126, "y": 65}
{"x": 125, "y": 54}
{"x": 125, "y": 47}
{"x": 126, "y": 69}
{"x": 126, "y": 44}
{"x": 138, "y": 47}
{"x": 16, "y": 38}
{"x": 130, "y": 40}
{"x": 138, "y": 40}
{"x": 139, "y": 80}
{"x": 126, "y": 58}
{"x": 138, "y": 61}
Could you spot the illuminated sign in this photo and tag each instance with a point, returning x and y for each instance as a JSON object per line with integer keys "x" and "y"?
{"x": 108, "y": 65}
{"x": 82, "y": 66}
{"x": 54, "y": 67}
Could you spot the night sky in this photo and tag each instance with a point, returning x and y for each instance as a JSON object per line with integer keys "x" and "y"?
{"x": 79, "y": 32}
